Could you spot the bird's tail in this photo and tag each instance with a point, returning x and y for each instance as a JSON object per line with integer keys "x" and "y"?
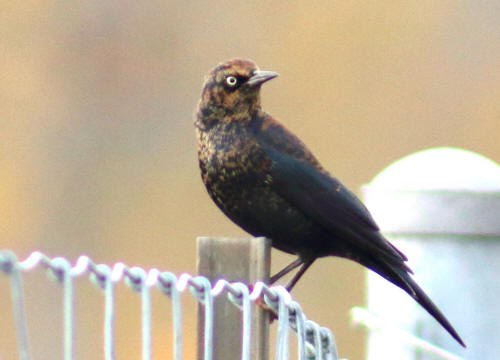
{"x": 402, "y": 279}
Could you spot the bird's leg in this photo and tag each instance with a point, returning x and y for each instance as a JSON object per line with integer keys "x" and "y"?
{"x": 298, "y": 275}
{"x": 293, "y": 265}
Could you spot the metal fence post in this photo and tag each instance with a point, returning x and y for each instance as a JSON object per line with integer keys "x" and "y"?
{"x": 244, "y": 260}
{"x": 441, "y": 207}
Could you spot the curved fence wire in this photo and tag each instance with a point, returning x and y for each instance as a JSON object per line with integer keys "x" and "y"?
{"x": 313, "y": 341}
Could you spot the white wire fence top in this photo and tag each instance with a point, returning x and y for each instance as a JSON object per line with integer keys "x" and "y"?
{"x": 313, "y": 341}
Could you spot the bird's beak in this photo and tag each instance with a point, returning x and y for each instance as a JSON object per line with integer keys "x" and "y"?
{"x": 261, "y": 76}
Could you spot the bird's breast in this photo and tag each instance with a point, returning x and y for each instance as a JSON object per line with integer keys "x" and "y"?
{"x": 230, "y": 161}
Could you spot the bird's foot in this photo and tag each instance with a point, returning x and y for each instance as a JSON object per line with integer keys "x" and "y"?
{"x": 260, "y": 302}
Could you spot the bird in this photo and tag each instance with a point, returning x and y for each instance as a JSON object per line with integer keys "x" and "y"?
{"x": 265, "y": 179}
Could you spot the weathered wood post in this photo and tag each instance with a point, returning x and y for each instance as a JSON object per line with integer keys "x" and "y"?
{"x": 441, "y": 207}
{"x": 246, "y": 261}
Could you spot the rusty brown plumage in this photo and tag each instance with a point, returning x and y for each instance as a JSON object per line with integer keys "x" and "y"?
{"x": 267, "y": 181}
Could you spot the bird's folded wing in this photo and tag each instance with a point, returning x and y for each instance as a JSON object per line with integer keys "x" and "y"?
{"x": 325, "y": 200}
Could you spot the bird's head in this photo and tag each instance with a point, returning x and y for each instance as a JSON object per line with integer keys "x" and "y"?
{"x": 231, "y": 91}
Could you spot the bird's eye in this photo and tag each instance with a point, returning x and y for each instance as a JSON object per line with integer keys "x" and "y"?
{"x": 231, "y": 80}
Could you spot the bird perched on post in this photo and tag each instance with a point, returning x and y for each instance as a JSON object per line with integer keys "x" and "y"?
{"x": 269, "y": 183}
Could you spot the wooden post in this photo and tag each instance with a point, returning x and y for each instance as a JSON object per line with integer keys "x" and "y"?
{"x": 244, "y": 260}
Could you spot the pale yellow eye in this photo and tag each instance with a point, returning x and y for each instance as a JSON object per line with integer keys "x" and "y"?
{"x": 231, "y": 80}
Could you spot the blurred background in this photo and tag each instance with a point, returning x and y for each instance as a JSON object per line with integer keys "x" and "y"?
{"x": 97, "y": 147}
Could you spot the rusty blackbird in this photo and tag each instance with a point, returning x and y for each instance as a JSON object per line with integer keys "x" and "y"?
{"x": 268, "y": 182}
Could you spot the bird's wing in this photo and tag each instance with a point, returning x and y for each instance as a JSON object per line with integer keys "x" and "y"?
{"x": 325, "y": 200}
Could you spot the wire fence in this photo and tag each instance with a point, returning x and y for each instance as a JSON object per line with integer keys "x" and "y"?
{"x": 313, "y": 341}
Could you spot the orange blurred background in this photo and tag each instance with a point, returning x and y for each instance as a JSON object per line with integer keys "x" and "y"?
{"x": 98, "y": 155}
